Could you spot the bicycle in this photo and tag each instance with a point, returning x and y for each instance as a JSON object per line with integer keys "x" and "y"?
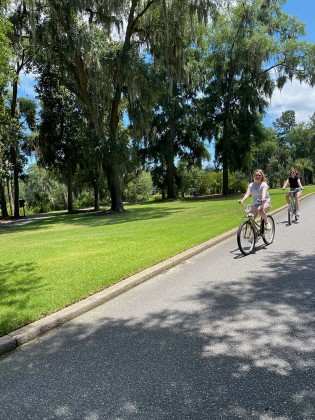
{"x": 250, "y": 231}
{"x": 292, "y": 213}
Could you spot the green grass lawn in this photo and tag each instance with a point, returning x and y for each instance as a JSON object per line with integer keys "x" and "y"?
{"x": 51, "y": 263}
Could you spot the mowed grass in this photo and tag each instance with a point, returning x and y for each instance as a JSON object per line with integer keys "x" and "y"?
{"x": 51, "y": 263}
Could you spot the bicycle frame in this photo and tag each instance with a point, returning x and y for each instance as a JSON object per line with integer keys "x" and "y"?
{"x": 251, "y": 230}
{"x": 258, "y": 225}
{"x": 292, "y": 207}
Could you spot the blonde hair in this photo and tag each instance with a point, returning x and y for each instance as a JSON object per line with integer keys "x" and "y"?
{"x": 263, "y": 176}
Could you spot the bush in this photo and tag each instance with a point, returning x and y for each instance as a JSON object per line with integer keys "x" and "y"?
{"x": 42, "y": 191}
{"x": 156, "y": 197}
{"x": 216, "y": 182}
{"x": 237, "y": 183}
{"x": 139, "y": 189}
{"x": 84, "y": 199}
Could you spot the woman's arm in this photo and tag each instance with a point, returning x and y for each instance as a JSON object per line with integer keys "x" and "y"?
{"x": 263, "y": 194}
{"x": 285, "y": 184}
{"x": 247, "y": 194}
{"x": 300, "y": 184}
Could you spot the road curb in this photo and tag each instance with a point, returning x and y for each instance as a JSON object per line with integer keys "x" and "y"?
{"x": 31, "y": 331}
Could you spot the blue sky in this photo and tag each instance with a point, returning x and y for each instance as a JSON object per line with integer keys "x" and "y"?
{"x": 295, "y": 96}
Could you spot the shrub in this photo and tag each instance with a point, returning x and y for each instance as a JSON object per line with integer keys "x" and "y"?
{"x": 156, "y": 197}
{"x": 139, "y": 189}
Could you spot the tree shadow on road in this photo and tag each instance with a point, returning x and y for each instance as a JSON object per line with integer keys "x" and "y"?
{"x": 245, "y": 352}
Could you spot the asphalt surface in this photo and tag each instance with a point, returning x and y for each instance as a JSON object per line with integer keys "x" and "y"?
{"x": 216, "y": 336}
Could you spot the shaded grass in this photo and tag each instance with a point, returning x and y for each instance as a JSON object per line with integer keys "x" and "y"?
{"x": 50, "y": 263}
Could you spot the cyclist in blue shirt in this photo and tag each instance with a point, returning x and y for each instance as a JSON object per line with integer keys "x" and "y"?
{"x": 295, "y": 182}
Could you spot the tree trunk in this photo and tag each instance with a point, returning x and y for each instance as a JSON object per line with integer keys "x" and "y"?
{"x": 170, "y": 168}
{"x": 114, "y": 175}
{"x": 225, "y": 160}
{"x": 225, "y": 174}
{"x": 16, "y": 192}
{"x": 11, "y": 201}
{"x": 170, "y": 176}
{"x": 96, "y": 190}
{"x": 115, "y": 189}
{"x": 4, "y": 210}
{"x": 15, "y": 153}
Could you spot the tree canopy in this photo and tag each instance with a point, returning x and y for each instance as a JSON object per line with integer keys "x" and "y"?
{"x": 128, "y": 85}
{"x": 252, "y": 48}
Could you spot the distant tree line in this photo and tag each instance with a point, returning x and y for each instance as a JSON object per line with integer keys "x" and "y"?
{"x": 131, "y": 91}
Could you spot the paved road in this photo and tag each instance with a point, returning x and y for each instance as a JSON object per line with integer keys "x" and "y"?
{"x": 220, "y": 336}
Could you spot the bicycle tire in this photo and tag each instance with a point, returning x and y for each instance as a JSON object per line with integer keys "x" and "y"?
{"x": 294, "y": 213}
{"x": 269, "y": 235}
{"x": 289, "y": 217}
{"x": 246, "y": 238}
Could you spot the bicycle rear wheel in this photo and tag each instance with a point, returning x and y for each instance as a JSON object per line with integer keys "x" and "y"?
{"x": 246, "y": 238}
{"x": 269, "y": 234}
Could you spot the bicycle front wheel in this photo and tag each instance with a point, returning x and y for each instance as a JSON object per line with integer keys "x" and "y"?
{"x": 291, "y": 212}
{"x": 246, "y": 238}
{"x": 269, "y": 234}
{"x": 289, "y": 217}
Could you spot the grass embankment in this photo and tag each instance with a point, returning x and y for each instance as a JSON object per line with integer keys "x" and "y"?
{"x": 51, "y": 263}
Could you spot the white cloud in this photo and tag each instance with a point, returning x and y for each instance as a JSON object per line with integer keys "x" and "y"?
{"x": 297, "y": 96}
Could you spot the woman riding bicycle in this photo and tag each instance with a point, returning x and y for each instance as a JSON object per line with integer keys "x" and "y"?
{"x": 259, "y": 191}
{"x": 295, "y": 182}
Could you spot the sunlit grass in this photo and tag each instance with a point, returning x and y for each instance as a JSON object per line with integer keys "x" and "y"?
{"x": 51, "y": 263}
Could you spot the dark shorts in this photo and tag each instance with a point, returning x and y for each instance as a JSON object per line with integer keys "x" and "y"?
{"x": 296, "y": 190}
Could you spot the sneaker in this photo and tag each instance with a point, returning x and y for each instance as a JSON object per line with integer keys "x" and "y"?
{"x": 267, "y": 226}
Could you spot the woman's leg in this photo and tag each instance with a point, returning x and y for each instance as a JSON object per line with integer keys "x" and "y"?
{"x": 254, "y": 211}
{"x": 287, "y": 197}
{"x": 297, "y": 202}
{"x": 262, "y": 211}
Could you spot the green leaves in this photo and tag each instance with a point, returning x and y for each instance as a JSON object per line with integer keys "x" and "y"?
{"x": 5, "y": 51}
